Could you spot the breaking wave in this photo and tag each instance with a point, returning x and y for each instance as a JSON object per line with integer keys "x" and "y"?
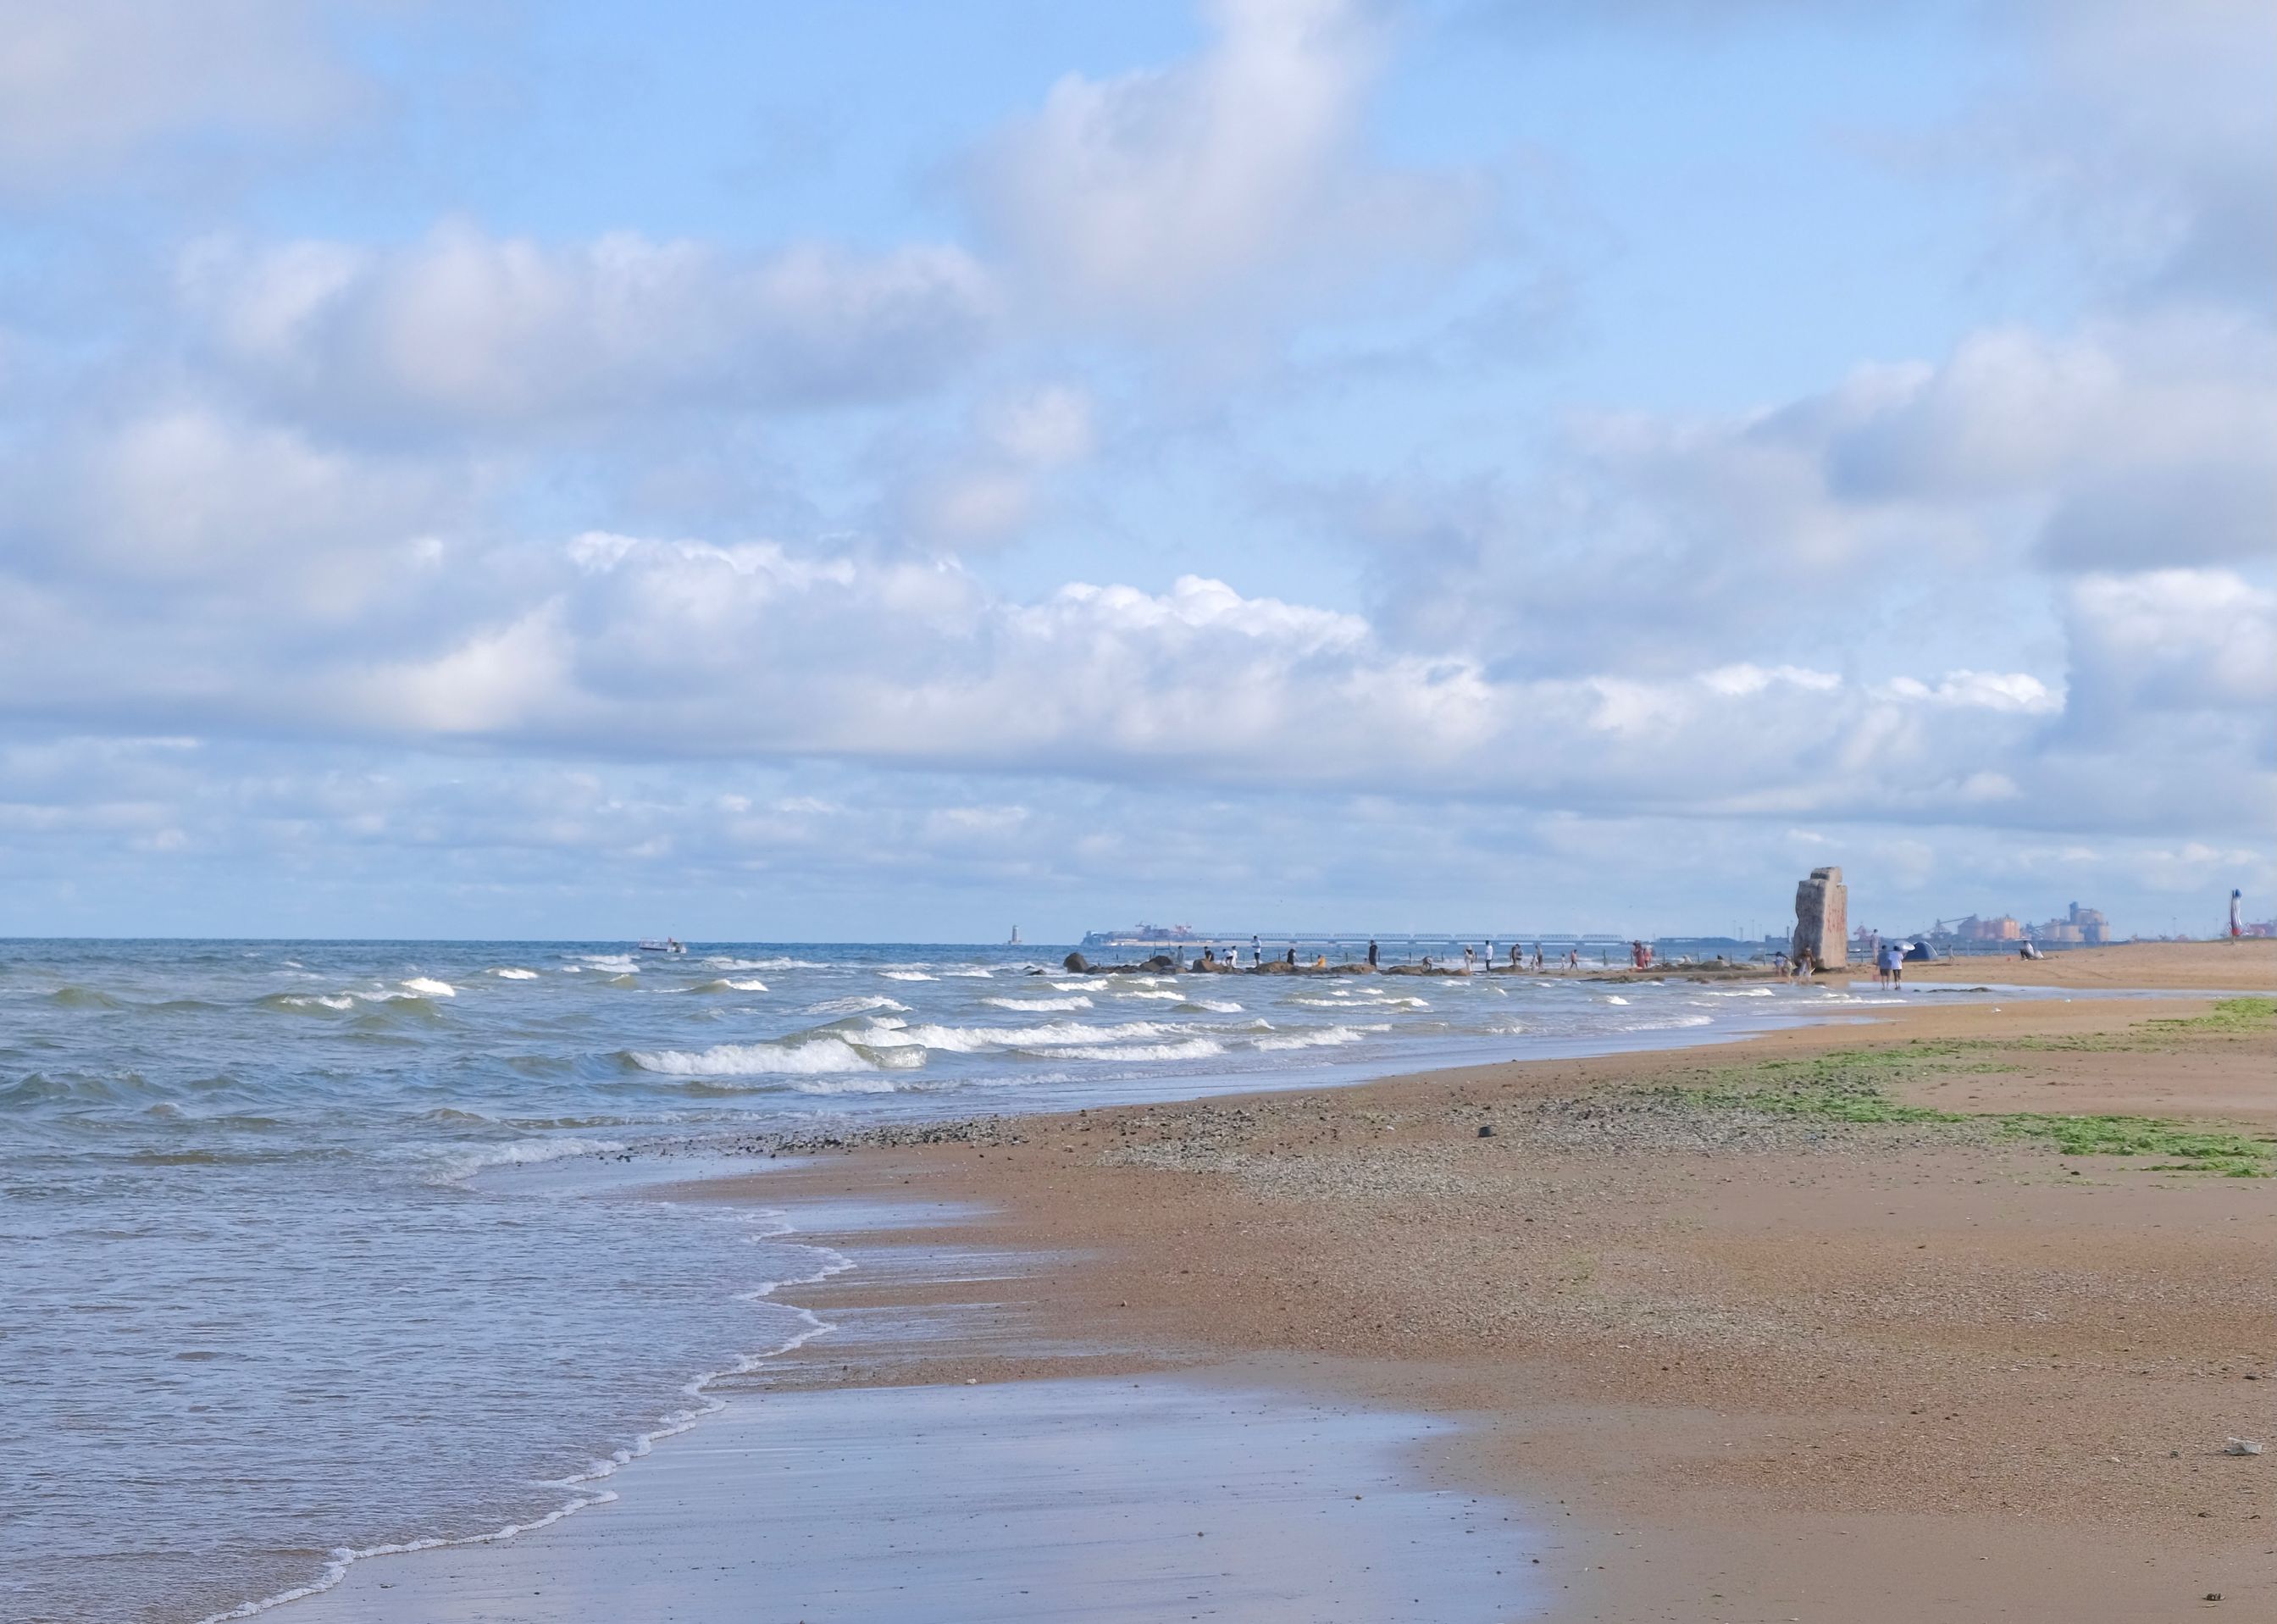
{"x": 1192, "y": 1049}
{"x": 801, "y": 1057}
{"x": 857, "y": 1006}
{"x": 1323, "y": 1037}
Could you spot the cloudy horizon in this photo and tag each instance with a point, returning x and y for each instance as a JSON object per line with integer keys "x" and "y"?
{"x": 898, "y": 473}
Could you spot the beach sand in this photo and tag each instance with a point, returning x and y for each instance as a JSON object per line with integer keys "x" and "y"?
{"x": 2248, "y": 965}
{"x": 1719, "y": 1351}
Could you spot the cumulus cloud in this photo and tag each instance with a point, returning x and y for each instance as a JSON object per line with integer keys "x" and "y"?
{"x": 989, "y": 483}
{"x": 2141, "y": 134}
{"x": 2169, "y": 640}
{"x": 186, "y": 499}
{"x": 467, "y": 328}
{"x": 618, "y": 645}
{"x": 1941, "y": 489}
{"x": 1159, "y": 194}
{"x": 85, "y": 86}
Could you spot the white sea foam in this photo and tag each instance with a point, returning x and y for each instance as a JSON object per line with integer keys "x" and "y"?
{"x": 1615, "y": 998}
{"x": 970, "y": 1040}
{"x": 907, "y": 975}
{"x": 1192, "y": 1048}
{"x": 611, "y": 961}
{"x": 460, "y": 1164}
{"x": 1221, "y": 1006}
{"x": 1146, "y": 992}
{"x": 855, "y": 1006}
{"x": 975, "y": 974}
{"x": 1319, "y": 1037}
{"x": 427, "y": 987}
{"x": 1077, "y": 1002}
{"x": 515, "y": 975}
{"x": 806, "y": 1056}
{"x": 731, "y": 984}
{"x": 718, "y": 962}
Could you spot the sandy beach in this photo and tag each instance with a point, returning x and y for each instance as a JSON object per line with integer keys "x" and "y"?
{"x": 1951, "y": 1315}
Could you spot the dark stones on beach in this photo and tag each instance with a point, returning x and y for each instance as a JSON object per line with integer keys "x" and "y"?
{"x": 1486, "y": 1130}
{"x": 1076, "y": 962}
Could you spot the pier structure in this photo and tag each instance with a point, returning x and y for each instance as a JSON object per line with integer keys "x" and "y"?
{"x": 1395, "y": 947}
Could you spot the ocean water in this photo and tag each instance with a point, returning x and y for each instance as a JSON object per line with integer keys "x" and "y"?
{"x": 313, "y": 1248}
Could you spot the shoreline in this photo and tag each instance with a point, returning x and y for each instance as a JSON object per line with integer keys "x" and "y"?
{"x": 1210, "y": 1234}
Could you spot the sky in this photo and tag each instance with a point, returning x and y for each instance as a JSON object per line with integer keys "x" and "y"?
{"x": 767, "y": 471}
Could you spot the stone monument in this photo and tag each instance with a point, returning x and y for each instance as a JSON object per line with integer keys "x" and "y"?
{"x": 1822, "y": 920}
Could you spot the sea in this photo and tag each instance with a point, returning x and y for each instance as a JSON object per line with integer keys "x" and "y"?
{"x": 312, "y": 1249}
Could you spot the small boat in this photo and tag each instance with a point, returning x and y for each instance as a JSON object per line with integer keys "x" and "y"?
{"x": 668, "y": 945}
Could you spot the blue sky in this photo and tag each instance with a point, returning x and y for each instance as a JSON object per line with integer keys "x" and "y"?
{"x": 894, "y": 471}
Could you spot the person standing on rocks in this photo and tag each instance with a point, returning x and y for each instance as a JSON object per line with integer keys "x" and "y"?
{"x": 1371, "y": 952}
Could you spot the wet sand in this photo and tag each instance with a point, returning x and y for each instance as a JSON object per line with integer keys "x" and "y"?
{"x": 1716, "y": 1360}
{"x": 1220, "y": 1497}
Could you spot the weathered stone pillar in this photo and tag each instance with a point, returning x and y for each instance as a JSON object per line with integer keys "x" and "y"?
{"x": 1822, "y": 920}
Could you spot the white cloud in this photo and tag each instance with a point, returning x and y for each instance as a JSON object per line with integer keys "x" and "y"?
{"x": 1910, "y": 504}
{"x": 2140, "y": 133}
{"x": 2177, "y": 640}
{"x": 86, "y": 85}
{"x": 1991, "y": 690}
{"x": 1044, "y": 428}
{"x": 466, "y": 327}
{"x": 990, "y": 483}
{"x": 185, "y": 499}
{"x": 1159, "y": 193}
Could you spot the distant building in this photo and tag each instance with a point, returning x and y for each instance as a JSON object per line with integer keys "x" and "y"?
{"x": 2004, "y": 928}
{"x": 2079, "y": 928}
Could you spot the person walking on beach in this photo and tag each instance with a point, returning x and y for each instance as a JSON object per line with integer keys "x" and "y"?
{"x": 1897, "y": 952}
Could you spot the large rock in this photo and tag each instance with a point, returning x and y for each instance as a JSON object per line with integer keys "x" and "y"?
{"x": 1822, "y": 920}
{"x": 1076, "y": 962}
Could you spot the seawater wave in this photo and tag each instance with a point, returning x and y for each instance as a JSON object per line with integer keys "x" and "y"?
{"x": 329, "y": 1247}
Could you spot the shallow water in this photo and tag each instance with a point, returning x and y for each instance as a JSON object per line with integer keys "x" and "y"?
{"x": 283, "y": 1274}
{"x": 1101, "y": 1498}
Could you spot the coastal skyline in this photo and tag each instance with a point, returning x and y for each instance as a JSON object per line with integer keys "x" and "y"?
{"x": 896, "y": 473}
